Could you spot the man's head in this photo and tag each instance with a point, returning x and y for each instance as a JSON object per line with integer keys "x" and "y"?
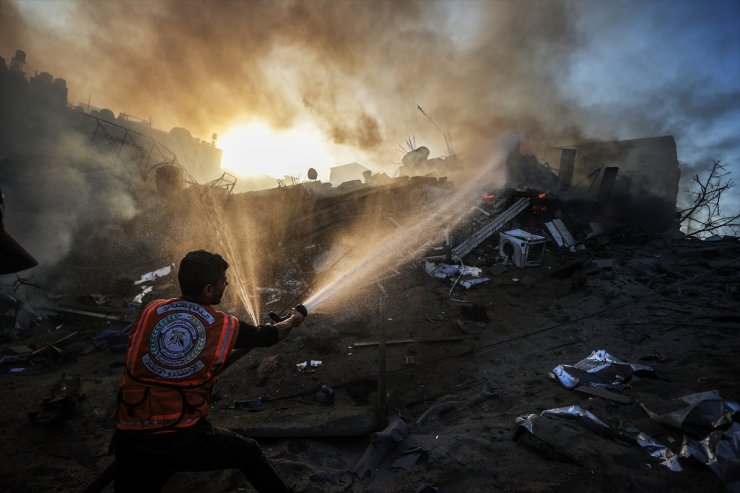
{"x": 202, "y": 276}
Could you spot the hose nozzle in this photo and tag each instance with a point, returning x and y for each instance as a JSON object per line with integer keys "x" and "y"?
{"x": 277, "y": 318}
{"x": 302, "y": 310}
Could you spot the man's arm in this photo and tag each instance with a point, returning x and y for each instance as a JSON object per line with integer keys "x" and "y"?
{"x": 283, "y": 327}
{"x": 261, "y": 336}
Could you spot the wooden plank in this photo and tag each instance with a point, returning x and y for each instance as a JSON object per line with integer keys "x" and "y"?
{"x": 305, "y": 421}
{"x": 410, "y": 341}
{"x": 44, "y": 348}
{"x": 84, "y": 313}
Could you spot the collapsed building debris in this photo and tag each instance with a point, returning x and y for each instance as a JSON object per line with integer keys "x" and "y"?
{"x": 495, "y": 224}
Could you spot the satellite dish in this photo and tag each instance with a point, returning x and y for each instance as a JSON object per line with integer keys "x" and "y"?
{"x": 312, "y": 174}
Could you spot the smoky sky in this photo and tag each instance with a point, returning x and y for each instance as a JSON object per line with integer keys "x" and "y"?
{"x": 553, "y": 72}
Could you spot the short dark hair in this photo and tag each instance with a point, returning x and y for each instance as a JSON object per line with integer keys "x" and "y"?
{"x": 199, "y": 268}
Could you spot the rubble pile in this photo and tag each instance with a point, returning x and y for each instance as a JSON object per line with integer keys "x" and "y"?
{"x": 534, "y": 285}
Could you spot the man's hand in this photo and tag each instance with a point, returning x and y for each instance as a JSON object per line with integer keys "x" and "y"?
{"x": 283, "y": 327}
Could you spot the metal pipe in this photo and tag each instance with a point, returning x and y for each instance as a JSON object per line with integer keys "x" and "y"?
{"x": 381, "y": 359}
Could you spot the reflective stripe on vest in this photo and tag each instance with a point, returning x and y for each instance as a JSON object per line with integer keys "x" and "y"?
{"x": 176, "y": 350}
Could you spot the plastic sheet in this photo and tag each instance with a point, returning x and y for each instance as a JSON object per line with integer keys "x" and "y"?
{"x": 699, "y": 414}
{"x": 720, "y": 451}
{"x": 584, "y": 417}
{"x": 712, "y": 432}
{"x": 600, "y": 369}
{"x": 661, "y": 452}
{"x": 543, "y": 428}
{"x": 155, "y": 274}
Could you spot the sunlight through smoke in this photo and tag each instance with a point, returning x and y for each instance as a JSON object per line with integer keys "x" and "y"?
{"x": 256, "y": 149}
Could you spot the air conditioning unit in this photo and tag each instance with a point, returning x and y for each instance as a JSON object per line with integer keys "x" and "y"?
{"x": 521, "y": 248}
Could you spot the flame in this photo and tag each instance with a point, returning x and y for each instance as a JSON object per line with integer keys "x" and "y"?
{"x": 542, "y": 195}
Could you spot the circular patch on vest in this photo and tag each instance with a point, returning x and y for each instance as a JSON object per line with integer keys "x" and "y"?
{"x": 177, "y": 339}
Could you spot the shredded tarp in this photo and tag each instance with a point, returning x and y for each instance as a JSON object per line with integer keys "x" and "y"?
{"x": 586, "y": 418}
{"x": 563, "y": 428}
{"x": 720, "y": 451}
{"x": 600, "y": 369}
{"x": 661, "y": 452}
{"x": 145, "y": 290}
{"x": 699, "y": 413}
{"x": 712, "y": 432}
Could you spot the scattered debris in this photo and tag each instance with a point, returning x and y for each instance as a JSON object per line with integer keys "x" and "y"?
{"x": 492, "y": 226}
{"x": 314, "y": 363}
{"x": 521, "y": 248}
{"x": 53, "y": 345}
{"x": 381, "y": 444}
{"x": 411, "y": 340}
{"x": 568, "y": 431}
{"x": 600, "y": 369}
{"x": 560, "y": 233}
{"x": 720, "y": 451}
{"x": 155, "y": 274}
{"x": 464, "y": 275}
{"x": 699, "y": 413}
{"x": 145, "y": 290}
{"x": 447, "y": 406}
{"x": 445, "y": 271}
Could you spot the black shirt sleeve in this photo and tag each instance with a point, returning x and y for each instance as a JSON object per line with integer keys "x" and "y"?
{"x": 250, "y": 336}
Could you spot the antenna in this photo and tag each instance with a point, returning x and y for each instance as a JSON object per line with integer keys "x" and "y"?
{"x": 447, "y": 142}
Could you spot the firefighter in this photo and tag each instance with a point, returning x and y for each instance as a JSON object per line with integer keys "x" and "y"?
{"x": 177, "y": 348}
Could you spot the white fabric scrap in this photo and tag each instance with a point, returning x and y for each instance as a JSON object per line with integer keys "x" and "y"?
{"x": 150, "y": 276}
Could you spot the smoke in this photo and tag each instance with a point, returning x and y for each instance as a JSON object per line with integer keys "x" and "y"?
{"x": 360, "y": 68}
{"x": 554, "y": 72}
{"x": 357, "y": 69}
{"x": 58, "y": 187}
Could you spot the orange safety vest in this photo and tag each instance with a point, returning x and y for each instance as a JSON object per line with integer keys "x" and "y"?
{"x": 176, "y": 350}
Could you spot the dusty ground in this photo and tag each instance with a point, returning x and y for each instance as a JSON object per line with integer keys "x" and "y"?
{"x": 672, "y": 305}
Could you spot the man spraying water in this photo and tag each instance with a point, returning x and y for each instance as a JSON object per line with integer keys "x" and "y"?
{"x": 177, "y": 349}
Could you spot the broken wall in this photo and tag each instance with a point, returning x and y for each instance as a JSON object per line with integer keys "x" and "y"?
{"x": 647, "y": 167}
